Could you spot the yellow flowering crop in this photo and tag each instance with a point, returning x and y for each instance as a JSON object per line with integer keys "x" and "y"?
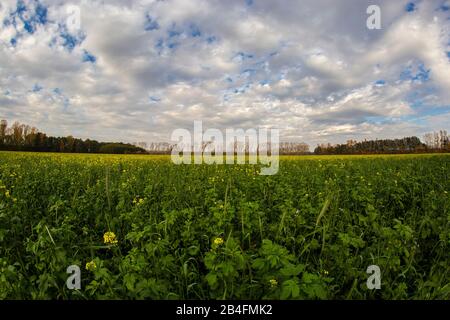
{"x": 218, "y": 241}
{"x": 138, "y": 201}
{"x": 273, "y": 282}
{"x": 91, "y": 266}
{"x": 109, "y": 238}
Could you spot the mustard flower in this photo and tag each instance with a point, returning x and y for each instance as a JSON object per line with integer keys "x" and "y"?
{"x": 110, "y": 237}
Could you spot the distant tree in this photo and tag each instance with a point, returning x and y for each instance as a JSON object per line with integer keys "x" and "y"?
{"x": 120, "y": 148}
{"x": 17, "y": 134}
{"x": 404, "y": 145}
{"x": 438, "y": 140}
{"x": 294, "y": 148}
{"x": 3, "y": 127}
{"x": 22, "y": 137}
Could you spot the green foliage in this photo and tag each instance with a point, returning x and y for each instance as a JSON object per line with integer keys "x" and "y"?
{"x": 21, "y": 137}
{"x": 119, "y": 148}
{"x": 223, "y": 231}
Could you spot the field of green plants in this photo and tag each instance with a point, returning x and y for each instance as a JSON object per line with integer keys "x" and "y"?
{"x": 141, "y": 227}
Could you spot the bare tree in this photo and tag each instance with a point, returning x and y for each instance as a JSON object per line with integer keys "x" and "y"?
{"x": 17, "y": 129}
{"x": 3, "y": 128}
{"x": 429, "y": 140}
{"x": 437, "y": 140}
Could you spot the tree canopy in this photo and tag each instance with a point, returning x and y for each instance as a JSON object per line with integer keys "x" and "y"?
{"x": 21, "y": 137}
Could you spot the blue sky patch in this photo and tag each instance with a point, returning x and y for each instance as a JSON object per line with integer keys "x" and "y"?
{"x": 6, "y": 22}
{"x": 29, "y": 19}
{"x": 248, "y": 72}
{"x": 21, "y": 8}
{"x": 195, "y": 30}
{"x": 417, "y": 99}
{"x": 211, "y": 39}
{"x": 242, "y": 56}
{"x": 159, "y": 46}
{"x": 28, "y": 26}
{"x": 172, "y": 45}
{"x": 173, "y": 31}
{"x": 37, "y": 88}
{"x": 41, "y": 14}
{"x": 150, "y": 23}
{"x": 421, "y": 74}
{"x": 410, "y": 7}
{"x": 70, "y": 40}
{"x": 444, "y": 7}
{"x": 88, "y": 57}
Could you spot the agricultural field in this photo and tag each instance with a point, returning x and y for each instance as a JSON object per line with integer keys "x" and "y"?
{"x": 141, "y": 227}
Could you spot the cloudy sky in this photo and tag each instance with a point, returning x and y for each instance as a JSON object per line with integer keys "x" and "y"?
{"x": 137, "y": 70}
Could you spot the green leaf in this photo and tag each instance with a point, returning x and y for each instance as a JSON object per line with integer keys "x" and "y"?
{"x": 212, "y": 279}
{"x": 289, "y": 289}
{"x": 292, "y": 270}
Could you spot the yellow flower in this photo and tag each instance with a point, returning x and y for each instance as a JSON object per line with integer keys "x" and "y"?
{"x": 273, "y": 282}
{"x": 218, "y": 241}
{"x": 91, "y": 266}
{"x": 138, "y": 201}
{"x": 110, "y": 237}
{"x": 325, "y": 272}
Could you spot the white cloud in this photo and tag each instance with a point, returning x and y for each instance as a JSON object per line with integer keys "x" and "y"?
{"x": 307, "y": 67}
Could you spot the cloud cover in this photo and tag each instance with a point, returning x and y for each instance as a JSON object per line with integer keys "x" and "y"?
{"x": 137, "y": 70}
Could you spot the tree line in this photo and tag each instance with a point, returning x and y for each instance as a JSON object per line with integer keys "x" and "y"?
{"x": 286, "y": 148}
{"x": 434, "y": 142}
{"x": 21, "y": 137}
